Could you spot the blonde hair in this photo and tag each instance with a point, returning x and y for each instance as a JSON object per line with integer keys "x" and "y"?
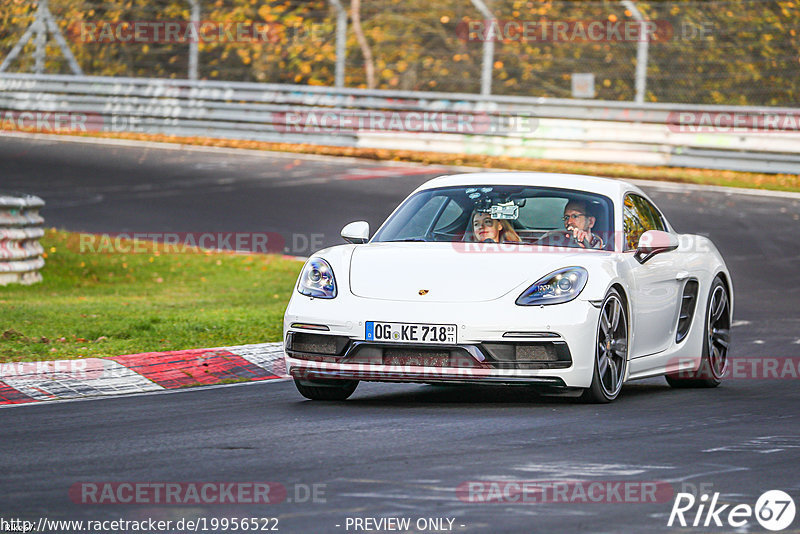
{"x": 507, "y": 232}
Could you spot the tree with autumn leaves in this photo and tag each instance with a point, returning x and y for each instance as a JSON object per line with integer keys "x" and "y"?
{"x": 726, "y": 52}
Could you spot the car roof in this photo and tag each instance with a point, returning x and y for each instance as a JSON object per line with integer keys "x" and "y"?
{"x": 610, "y": 187}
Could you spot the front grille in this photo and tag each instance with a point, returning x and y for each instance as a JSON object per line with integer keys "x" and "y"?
{"x": 376, "y": 354}
{"x": 536, "y": 352}
{"x": 501, "y": 355}
{"x": 316, "y": 343}
{"x": 406, "y": 353}
{"x": 528, "y": 355}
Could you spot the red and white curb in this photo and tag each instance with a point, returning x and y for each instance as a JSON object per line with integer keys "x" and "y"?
{"x": 25, "y": 382}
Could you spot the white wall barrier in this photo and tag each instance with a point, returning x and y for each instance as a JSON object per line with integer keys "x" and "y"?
{"x": 716, "y": 137}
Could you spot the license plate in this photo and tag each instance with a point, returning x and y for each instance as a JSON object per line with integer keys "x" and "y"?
{"x": 444, "y": 334}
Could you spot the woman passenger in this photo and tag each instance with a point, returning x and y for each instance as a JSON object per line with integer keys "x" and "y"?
{"x": 488, "y": 230}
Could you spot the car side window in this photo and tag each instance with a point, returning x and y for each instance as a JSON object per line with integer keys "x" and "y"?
{"x": 639, "y": 216}
{"x": 650, "y": 212}
{"x": 633, "y": 222}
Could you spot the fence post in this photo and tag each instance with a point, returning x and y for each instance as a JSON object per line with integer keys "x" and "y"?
{"x": 487, "y": 63}
{"x": 195, "y": 42}
{"x": 43, "y": 23}
{"x": 341, "y": 41}
{"x": 62, "y": 43}
{"x": 641, "y": 51}
{"x": 40, "y": 40}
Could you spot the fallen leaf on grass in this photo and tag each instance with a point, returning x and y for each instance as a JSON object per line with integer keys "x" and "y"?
{"x": 12, "y": 334}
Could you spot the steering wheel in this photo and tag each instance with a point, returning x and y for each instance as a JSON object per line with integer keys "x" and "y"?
{"x": 562, "y": 238}
{"x": 571, "y": 237}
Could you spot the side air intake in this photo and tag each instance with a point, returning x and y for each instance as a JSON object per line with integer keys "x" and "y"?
{"x": 688, "y": 305}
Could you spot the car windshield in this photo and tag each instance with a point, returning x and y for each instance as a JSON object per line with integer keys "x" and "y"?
{"x": 504, "y": 214}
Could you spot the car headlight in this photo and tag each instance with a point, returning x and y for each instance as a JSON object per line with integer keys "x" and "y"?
{"x": 317, "y": 279}
{"x": 557, "y": 287}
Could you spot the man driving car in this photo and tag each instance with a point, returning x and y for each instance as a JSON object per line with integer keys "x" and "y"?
{"x": 578, "y": 222}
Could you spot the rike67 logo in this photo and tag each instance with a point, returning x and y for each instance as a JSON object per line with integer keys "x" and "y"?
{"x": 774, "y": 510}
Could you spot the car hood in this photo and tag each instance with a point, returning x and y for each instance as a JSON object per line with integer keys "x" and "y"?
{"x": 451, "y": 272}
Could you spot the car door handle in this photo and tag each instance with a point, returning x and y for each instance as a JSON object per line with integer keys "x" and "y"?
{"x": 683, "y": 275}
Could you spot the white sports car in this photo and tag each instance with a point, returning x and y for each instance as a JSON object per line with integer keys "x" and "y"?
{"x": 573, "y": 284}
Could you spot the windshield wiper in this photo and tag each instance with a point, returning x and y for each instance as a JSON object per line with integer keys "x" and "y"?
{"x": 407, "y": 240}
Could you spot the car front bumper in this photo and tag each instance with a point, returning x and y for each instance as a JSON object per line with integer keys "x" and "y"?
{"x": 496, "y": 342}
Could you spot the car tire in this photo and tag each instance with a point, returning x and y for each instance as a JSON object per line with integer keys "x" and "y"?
{"x": 610, "y": 351}
{"x": 716, "y": 337}
{"x": 326, "y": 390}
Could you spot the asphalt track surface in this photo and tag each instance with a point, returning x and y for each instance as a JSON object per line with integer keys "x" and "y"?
{"x": 397, "y": 450}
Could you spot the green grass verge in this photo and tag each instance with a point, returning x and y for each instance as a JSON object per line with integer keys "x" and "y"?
{"x": 108, "y": 304}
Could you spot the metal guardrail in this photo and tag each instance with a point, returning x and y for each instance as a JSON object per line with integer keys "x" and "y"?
{"x": 578, "y": 130}
{"x": 20, "y": 228}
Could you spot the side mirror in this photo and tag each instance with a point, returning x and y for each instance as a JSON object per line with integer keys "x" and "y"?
{"x": 654, "y": 242}
{"x": 356, "y": 232}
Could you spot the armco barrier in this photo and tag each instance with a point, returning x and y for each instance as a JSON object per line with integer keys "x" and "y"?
{"x": 20, "y": 229}
{"x": 578, "y": 130}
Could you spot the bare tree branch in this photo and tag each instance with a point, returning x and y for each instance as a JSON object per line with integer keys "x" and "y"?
{"x": 369, "y": 66}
